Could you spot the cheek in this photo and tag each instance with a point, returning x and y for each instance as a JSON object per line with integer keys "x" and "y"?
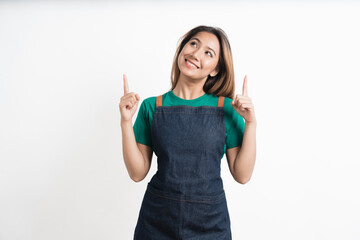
{"x": 210, "y": 63}
{"x": 184, "y": 51}
{"x": 180, "y": 58}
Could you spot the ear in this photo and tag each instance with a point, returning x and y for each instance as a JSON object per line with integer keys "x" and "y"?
{"x": 214, "y": 72}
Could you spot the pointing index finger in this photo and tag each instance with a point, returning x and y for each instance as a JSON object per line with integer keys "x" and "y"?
{"x": 126, "y": 86}
{"x": 244, "y": 90}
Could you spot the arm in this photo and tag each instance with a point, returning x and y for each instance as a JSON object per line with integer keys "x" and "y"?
{"x": 137, "y": 156}
{"x": 241, "y": 160}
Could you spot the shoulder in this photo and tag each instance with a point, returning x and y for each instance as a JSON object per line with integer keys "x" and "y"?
{"x": 227, "y": 100}
{"x": 149, "y": 101}
{"x": 228, "y": 108}
{"x": 148, "y": 105}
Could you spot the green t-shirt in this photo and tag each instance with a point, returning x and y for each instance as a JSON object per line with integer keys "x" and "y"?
{"x": 234, "y": 123}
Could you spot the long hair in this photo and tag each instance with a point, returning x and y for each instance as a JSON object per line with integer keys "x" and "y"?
{"x": 223, "y": 84}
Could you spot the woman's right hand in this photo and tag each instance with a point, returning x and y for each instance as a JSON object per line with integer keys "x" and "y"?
{"x": 128, "y": 103}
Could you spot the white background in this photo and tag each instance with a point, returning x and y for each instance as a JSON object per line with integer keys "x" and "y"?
{"x": 62, "y": 174}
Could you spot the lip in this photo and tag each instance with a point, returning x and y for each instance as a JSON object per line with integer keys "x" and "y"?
{"x": 192, "y": 62}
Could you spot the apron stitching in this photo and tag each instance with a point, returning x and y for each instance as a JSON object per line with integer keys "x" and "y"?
{"x": 220, "y": 197}
{"x": 181, "y": 219}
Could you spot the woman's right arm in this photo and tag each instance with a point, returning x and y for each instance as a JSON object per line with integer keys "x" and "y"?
{"x": 137, "y": 156}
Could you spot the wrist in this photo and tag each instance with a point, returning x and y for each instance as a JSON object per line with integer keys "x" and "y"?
{"x": 250, "y": 123}
{"x": 125, "y": 123}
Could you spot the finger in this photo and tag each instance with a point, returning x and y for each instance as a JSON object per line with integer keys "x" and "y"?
{"x": 236, "y": 102}
{"x": 247, "y": 105}
{"x": 126, "y": 86}
{"x": 131, "y": 100}
{"x": 241, "y": 107}
{"x": 241, "y": 104}
{"x": 243, "y": 99}
{"x": 129, "y": 103}
{"x": 244, "y": 90}
{"x": 240, "y": 96}
{"x": 233, "y": 102}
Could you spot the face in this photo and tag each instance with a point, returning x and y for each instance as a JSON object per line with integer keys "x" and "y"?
{"x": 200, "y": 55}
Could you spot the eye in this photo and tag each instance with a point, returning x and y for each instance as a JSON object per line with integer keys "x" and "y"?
{"x": 209, "y": 54}
{"x": 191, "y": 43}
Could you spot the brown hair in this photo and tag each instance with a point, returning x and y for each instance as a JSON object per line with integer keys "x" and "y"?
{"x": 223, "y": 84}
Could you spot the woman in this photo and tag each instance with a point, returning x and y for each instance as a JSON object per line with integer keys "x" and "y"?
{"x": 190, "y": 128}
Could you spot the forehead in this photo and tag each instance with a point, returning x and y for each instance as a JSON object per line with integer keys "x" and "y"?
{"x": 208, "y": 39}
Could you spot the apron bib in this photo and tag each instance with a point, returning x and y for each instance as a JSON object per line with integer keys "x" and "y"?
{"x": 185, "y": 198}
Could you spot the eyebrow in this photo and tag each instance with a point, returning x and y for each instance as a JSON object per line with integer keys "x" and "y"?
{"x": 207, "y": 46}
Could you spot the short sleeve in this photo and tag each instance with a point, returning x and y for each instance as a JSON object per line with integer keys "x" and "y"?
{"x": 142, "y": 129}
{"x": 236, "y": 126}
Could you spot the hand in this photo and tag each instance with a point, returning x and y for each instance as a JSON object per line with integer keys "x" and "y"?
{"x": 128, "y": 103}
{"x": 243, "y": 104}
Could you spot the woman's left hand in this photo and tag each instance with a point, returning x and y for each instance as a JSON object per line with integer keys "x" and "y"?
{"x": 243, "y": 104}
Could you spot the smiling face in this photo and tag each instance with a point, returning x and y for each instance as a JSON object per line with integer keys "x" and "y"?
{"x": 199, "y": 56}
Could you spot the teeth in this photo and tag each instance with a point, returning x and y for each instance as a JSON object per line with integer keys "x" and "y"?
{"x": 191, "y": 64}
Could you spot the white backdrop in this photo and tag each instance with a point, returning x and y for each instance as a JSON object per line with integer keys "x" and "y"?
{"x": 62, "y": 175}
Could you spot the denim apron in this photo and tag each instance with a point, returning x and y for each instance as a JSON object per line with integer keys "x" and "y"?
{"x": 185, "y": 198}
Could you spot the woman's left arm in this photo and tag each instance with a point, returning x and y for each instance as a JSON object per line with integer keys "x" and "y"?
{"x": 241, "y": 160}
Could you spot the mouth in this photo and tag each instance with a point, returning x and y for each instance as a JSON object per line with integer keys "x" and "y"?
{"x": 191, "y": 64}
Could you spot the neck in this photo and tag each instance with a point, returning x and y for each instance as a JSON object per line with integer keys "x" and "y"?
{"x": 189, "y": 89}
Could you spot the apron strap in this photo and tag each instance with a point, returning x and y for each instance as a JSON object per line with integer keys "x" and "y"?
{"x": 221, "y": 101}
{"x": 159, "y": 101}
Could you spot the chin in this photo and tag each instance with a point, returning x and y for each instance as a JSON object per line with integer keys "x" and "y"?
{"x": 185, "y": 71}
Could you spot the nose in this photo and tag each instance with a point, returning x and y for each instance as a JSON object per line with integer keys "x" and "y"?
{"x": 195, "y": 54}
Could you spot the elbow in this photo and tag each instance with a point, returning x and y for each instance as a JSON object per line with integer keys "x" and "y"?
{"x": 242, "y": 180}
{"x": 137, "y": 178}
